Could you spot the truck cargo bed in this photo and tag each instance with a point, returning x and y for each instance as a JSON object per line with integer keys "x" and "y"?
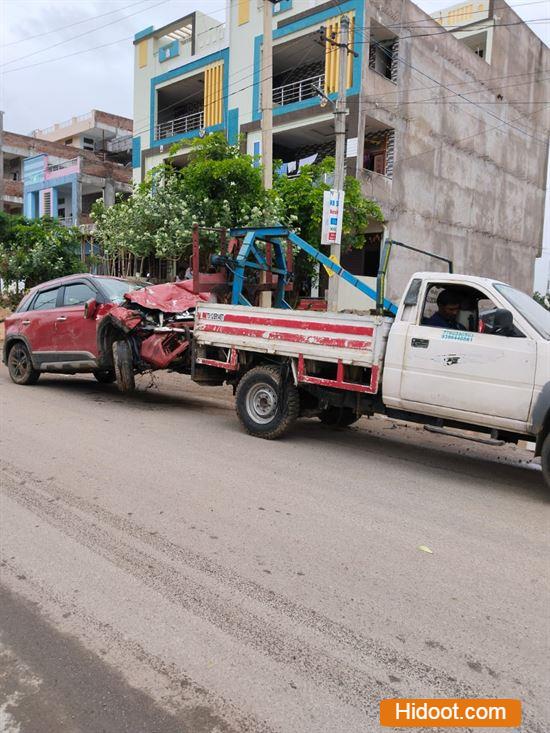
{"x": 311, "y": 339}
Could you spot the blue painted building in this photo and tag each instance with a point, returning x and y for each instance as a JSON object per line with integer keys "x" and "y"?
{"x": 199, "y": 75}
{"x": 65, "y": 188}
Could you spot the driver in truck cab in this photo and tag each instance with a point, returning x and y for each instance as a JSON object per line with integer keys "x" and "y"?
{"x": 448, "y": 308}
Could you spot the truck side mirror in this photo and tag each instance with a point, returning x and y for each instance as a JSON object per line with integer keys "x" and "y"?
{"x": 498, "y": 321}
{"x": 90, "y": 308}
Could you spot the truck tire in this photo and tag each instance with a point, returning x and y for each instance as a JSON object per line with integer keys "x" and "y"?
{"x": 20, "y": 366}
{"x": 338, "y": 417}
{"x": 266, "y": 404}
{"x": 545, "y": 459}
{"x": 124, "y": 367}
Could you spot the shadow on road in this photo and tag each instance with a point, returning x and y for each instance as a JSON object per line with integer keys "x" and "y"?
{"x": 502, "y": 468}
{"x": 147, "y": 394}
{"x": 499, "y": 467}
{"x": 53, "y": 683}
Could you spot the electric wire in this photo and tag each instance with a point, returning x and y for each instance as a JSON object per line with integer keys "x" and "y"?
{"x": 71, "y": 25}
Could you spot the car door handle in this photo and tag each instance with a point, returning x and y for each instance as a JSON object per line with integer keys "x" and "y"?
{"x": 420, "y": 343}
{"x": 61, "y": 318}
{"x": 25, "y": 323}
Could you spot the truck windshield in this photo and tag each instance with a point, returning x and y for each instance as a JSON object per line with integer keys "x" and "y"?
{"x": 533, "y": 313}
{"x": 116, "y": 288}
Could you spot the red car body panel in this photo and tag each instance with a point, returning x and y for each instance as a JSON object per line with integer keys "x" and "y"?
{"x": 38, "y": 328}
{"x": 168, "y": 297}
{"x": 77, "y": 333}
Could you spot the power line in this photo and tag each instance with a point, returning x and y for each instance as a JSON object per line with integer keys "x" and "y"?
{"x": 447, "y": 31}
{"x": 430, "y": 20}
{"x": 85, "y": 33}
{"x": 453, "y": 93}
{"x": 462, "y": 139}
{"x": 95, "y": 48}
{"x": 71, "y": 25}
{"x": 472, "y": 81}
{"x": 473, "y": 91}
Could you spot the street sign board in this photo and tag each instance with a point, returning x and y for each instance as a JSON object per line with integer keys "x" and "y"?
{"x": 333, "y": 212}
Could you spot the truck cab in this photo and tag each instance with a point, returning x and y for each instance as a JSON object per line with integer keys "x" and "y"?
{"x": 491, "y": 369}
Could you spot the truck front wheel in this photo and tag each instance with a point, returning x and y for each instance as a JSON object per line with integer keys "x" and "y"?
{"x": 266, "y": 404}
{"x": 545, "y": 459}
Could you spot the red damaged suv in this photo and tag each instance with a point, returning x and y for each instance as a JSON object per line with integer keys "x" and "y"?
{"x": 111, "y": 327}
{"x": 50, "y": 333}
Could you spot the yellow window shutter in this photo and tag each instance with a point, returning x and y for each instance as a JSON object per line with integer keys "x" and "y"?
{"x": 332, "y": 56}
{"x": 243, "y": 11}
{"x": 213, "y": 94}
{"x": 142, "y": 54}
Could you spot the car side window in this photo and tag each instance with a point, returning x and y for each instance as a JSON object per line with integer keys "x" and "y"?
{"x": 45, "y": 300}
{"x": 78, "y": 294}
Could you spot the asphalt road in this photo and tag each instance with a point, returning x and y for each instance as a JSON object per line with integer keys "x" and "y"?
{"x": 163, "y": 572}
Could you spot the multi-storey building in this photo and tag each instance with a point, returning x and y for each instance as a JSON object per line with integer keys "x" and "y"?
{"x": 447, "y": 126}
{"x": 61, "y": 170}
{"x": 53, "y": 179}
{"x": 100, "y": 132}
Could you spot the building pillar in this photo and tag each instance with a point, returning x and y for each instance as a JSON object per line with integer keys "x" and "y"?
{"x": 29, "y": 205}
{"x": 76, "y": 201}
{"x": 54, "y": 203}
{"x": 109, "y": 192}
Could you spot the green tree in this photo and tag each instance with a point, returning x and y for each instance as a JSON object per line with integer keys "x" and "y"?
{"x": 219, "y": 187}
{"x": 32, "y": 251}
{"x": 302, "y": 197}
{"x": 222, "y": 187}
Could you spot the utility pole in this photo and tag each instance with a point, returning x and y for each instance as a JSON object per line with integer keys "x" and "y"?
{"x": 340, "y": 113}
{"x": 267, "y": 94}
{"x": 1, "y": 160}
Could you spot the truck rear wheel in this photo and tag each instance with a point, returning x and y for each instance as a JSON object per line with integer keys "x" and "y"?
{"x": 545, "y": 459}
{"x": 124, "y": 366}
{"x": 338, "y": 417}
{"x": 266, "y": 404}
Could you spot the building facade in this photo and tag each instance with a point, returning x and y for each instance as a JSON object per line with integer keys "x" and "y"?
{"x": 60, "y": 171}
{"x": 447, "y": 126}
{"x": 57, "y": 180}
{"x": 101, "y": 132}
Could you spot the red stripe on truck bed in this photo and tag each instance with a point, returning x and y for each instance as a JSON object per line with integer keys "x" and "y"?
{"x": 296, "y": 338}
{"x": 292, "y": 323}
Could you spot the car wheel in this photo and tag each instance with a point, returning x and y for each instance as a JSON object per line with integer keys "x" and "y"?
{"x": 20, "y": 365}
{"x": 105, "y": 376}
{"x": 338, "y": 417}
{"x": 266, "y": 404}
{"x": 124, "y": 366}
{"x": 545, "y": 459}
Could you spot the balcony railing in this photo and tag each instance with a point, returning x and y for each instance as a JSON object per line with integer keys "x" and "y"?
{"x": 61, "y": 166}
{"x": 66, "y": 221}
{"x": 297, "y": 91}
{"x": 180, "y": 125}
{"x": 120, "y": 144}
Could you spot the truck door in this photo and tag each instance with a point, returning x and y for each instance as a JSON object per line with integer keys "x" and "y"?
{"x": 461, "y": 368}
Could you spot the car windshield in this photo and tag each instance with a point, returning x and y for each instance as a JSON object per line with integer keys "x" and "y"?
{"x": 532, "y": 311}
{"x": 116, "y": 288}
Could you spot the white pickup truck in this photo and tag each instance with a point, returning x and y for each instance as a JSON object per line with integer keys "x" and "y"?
{"x": 480, "y": 364}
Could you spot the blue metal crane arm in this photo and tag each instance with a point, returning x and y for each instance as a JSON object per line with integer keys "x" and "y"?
{"x": 276, "y": 234}
{"x": 339, "y": 270}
